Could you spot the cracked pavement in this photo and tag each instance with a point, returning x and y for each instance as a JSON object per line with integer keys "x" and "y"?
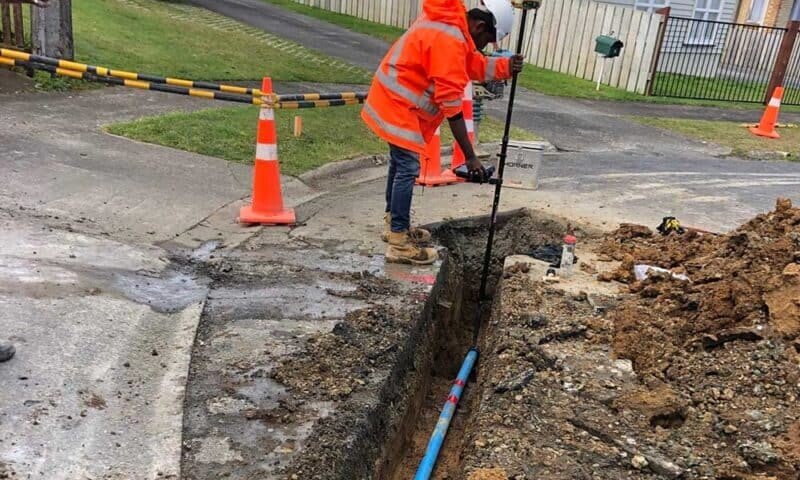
{"x": 104, "y": 241}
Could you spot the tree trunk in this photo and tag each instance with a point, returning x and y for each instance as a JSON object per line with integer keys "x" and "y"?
{"x": 52, "y": 30}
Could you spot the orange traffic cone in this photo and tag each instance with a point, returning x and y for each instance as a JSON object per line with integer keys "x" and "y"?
{"x": 267, "y": 204}
{"x": 469, "y": 118}
{"x": 432, "y": 174}
{"x": 766, "y": 128}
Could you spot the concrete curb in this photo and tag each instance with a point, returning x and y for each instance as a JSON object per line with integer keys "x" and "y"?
{"x": 342, "y": 167}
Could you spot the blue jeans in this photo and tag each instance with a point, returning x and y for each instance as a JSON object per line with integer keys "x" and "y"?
{"x": 403, "y": 172}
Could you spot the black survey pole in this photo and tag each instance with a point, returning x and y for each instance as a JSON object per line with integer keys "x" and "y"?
{"x": 487, "y": 260}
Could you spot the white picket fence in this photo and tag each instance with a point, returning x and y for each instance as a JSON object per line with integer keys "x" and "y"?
{"x": 563, "y": 38}
{"x": 399, "y": 13}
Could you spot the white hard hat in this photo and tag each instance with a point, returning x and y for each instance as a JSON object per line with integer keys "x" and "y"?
{"x": 503, "y": 13}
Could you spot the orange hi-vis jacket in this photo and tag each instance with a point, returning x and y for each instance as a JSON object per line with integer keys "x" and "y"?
{"x": 421, "y": 80}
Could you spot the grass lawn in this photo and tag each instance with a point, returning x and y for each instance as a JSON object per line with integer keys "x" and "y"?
{"x": 173, "y": 39}
{"x": 387, "y": 33}
{"x": 676, "y": 85}
{"x": 730, "y": 134}
{"x": 330, "y": 135}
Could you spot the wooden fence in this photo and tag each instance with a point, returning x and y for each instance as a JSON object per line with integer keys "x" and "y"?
{"x": 399, "y": 13}
{"x": 563, "y": 39}
{"x": 12, "y": 25}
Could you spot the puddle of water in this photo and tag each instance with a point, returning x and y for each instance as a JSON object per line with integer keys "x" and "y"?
{"x": 165, "y": 292}
{"x": 169, "y": 293}
{"x": 264, "y": 392}
{"x": 204, "y": 251}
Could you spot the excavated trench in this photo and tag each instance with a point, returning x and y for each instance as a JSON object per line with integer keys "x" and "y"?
{"x": 450, "y": 335}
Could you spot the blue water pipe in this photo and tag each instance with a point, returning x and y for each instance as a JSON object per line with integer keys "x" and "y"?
{"x": 437, "y": 439}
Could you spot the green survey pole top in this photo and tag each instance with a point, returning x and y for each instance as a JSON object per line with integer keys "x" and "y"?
{"x": 526, "y": 4}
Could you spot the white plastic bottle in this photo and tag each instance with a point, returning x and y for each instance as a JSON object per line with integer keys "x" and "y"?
{"x": 568, "y": 256}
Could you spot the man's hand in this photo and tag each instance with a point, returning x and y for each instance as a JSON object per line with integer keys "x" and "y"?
{"x": 476, "y": 169}
{"x": 517, "y": 64}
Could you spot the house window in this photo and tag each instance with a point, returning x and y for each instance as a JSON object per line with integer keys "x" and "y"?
{"x": 651, "y": 6}
{"x": 758, "y": 9}
{"x": 703, "y": 31}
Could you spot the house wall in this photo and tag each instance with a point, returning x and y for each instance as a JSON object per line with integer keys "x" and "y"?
{"x": 784, "y": 12}
{"x": 685, "y": 8}
{"x": 771, "y": 18}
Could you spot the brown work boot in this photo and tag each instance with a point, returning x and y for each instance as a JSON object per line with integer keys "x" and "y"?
{"x": 403, "y": 250}
{"x": 415, "y": 234}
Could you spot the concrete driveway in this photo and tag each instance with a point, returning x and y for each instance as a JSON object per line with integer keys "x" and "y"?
{"x": 97, "y": 286}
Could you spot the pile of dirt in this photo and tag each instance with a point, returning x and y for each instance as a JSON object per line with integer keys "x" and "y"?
{"x": 694, "y": 379}
{"x": 743, "y": 285}
{"x": 724, "y": 344}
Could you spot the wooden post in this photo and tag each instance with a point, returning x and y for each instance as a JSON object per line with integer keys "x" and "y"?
{"x": 662, "y": 30}
{"x": 19, "y": 26}
{"x": 782, "y": 59}
{"x": 298, "y": 126}
{"x": 52, "y": 30}
{"x": 5, "y": 24}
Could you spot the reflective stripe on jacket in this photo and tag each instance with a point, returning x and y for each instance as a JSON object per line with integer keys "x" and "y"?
{"x": 421, "y": 80}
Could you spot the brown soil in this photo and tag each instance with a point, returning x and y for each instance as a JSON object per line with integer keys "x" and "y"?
{"x": 489, "y": 474}
{"x": 745, "y": 281}
{"x": 448, "y": 465}
{"x": 723, "y": 341}
{"x": 695, "y": 380}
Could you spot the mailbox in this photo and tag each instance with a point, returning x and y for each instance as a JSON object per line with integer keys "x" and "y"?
{"x": 607, "y": 46}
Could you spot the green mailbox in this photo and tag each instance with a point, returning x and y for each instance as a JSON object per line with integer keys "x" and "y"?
{"x": 608, "y": 46}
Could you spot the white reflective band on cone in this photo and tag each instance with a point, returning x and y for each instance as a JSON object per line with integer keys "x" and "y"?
{"x": 266, "y": 151}
{"x": 266, "y": 114}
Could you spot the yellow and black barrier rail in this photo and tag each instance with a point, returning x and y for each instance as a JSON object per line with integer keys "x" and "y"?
{"x": 125, "y": 75}
{"x": 311, "y": 97}
{"x": 318, "y": 104}
{"x": 65, "y": 72}
{"x": 294, "y": 101}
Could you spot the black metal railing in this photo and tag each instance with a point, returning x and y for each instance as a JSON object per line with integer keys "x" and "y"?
{"x": 710, "y": 60}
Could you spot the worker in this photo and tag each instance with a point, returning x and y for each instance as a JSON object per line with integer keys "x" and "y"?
{"x": 7, "y": 350}
{"x": 421, "y": 82}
